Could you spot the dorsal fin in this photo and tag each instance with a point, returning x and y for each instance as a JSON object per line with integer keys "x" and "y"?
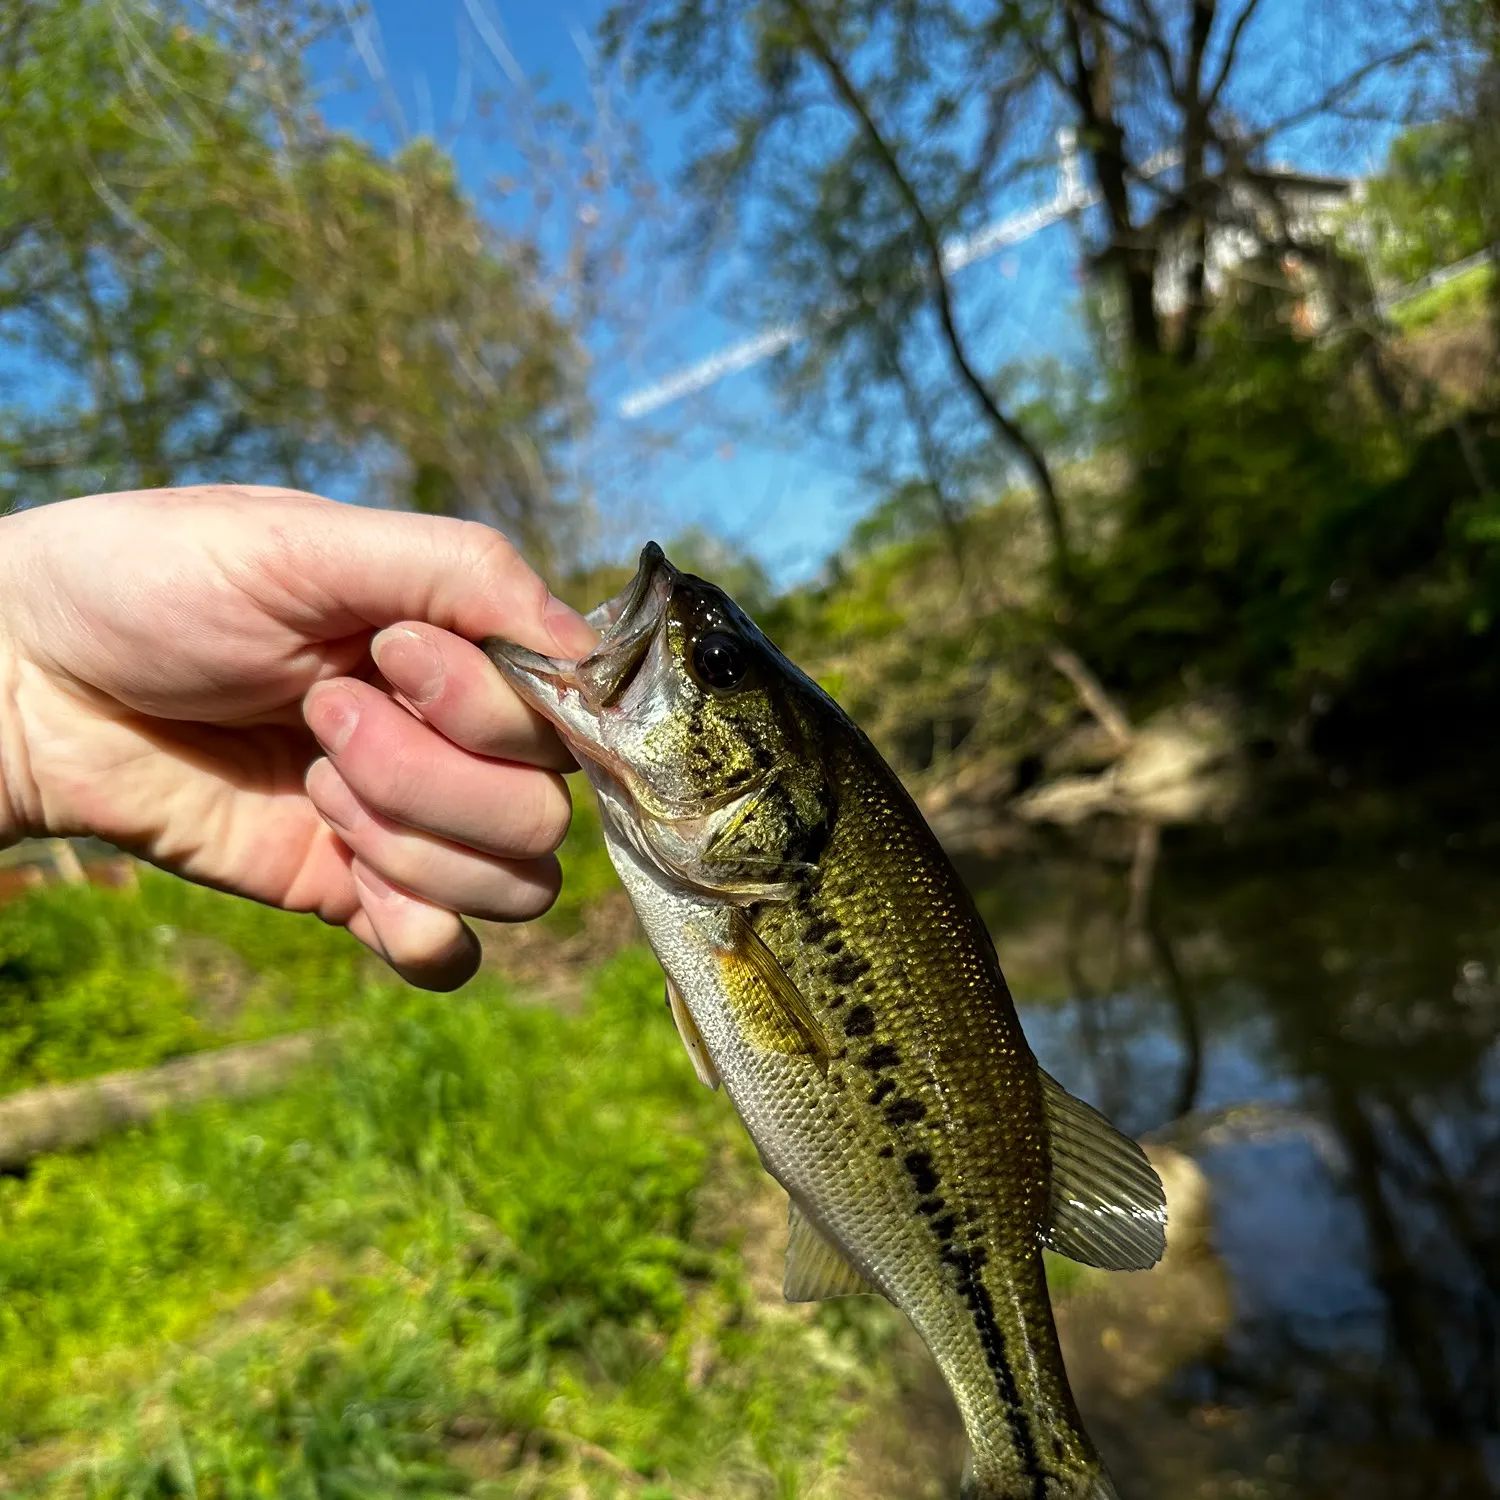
{"x": 1107, "y": 1206}
{"x": 692, "y": 1039}
{"x": 816, "y": 1269}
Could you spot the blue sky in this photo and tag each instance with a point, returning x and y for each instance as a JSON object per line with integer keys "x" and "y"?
{"x": 735, "y": 463}
{"x": 731, "y": 463}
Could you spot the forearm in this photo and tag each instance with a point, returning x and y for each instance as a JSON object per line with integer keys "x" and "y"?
{"x": 20, "y": 812}
{"x": 13, "y": 754}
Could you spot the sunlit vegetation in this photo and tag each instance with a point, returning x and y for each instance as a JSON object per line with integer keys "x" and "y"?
{"x": 484, "y": 1247}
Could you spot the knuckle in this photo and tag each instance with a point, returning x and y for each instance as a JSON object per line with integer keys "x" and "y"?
{"x": 543, "y": 825}
{"x": 393, "y": 783}
{"x": 398, "y": 862}
{"x": 491, "y": 554}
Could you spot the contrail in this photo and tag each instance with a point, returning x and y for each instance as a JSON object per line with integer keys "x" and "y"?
{"x": 961, "y": 251}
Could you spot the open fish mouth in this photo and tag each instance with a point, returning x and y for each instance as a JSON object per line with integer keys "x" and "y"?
{"x": 574, "y": 694}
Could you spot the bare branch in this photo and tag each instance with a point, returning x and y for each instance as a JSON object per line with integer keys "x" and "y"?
{"x": 1231, "y": 50}
{"x": 1204, "y": 12}
{"x": 1344, "y": 89}
{"x": 950, "y": 517}
{"x": 1149, "y": 38}
{"x": 932, "y": 250}
{"x": 1091, "y": 693}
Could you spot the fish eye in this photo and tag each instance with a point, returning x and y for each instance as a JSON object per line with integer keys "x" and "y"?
{"x": 720, "y": 662}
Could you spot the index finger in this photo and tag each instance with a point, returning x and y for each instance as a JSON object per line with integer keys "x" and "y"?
{"x": 453, "y": 686}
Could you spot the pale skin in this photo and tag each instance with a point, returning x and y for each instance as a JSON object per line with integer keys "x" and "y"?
{"x": 278, "y": 695}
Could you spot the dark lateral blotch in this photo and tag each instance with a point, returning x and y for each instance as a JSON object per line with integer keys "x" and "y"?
{"x": 846, "y": 969}
{"x": 905, "y": 1111}
{"x": 925, "y": 1177}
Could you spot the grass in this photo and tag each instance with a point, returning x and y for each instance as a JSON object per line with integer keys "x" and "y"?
{"x": 471, "y": 1255}
{"x": 91, "y": 982}
{"x": 1464, "y": 299}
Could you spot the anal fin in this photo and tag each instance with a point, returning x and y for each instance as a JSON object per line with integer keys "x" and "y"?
{"x": 816, "y": 1269}
{"x": 692, "y": 1039}
{"x": 1107, "y": 1206}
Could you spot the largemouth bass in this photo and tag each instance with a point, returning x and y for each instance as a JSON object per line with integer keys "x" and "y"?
{"x": 826, "y": 964}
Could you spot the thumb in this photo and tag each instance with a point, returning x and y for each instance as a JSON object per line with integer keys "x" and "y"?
{"x": 361, "y": 568}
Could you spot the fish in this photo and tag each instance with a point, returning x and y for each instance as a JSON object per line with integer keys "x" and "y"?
{"x": 826, "y": 965}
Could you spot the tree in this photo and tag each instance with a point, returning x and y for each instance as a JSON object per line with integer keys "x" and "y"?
{"x": 857, "y": 141}
{"x": 1425, "y": 210}
{"x": 1469, "y": 32}
{"x": 198, "y": 279}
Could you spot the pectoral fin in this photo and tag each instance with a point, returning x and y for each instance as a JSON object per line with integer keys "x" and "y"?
{"x": 687, "y": 1029}
{"x": 769, "y": 1006}
{"x": 815, "y": 1269}
{"x": 1107, "y": 1207}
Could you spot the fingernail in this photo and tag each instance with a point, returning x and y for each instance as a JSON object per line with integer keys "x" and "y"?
{"x": 332, "y": 797}
{"x": 410, "y": 664}
{"x": 572, "y": 634}
{"x": 332, "y": 714}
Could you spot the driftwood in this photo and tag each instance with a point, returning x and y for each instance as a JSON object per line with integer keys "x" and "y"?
{"x": 62, "y": 1116}
{"x": 1181, "y": 767}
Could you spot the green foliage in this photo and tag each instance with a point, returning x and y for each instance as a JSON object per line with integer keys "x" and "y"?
{"x": 1459, "y": 302}
{"x": 93, "y": 980}
{"x": 203, "y": 281}
{"x": 1424, "y": 211}
{"x": 82, "y": 992}
{"x": 467, "y": 1255}
{"x": 587, "y": 871}
{"x": 938, "y": 666}
{"x": 1282, "y": 538}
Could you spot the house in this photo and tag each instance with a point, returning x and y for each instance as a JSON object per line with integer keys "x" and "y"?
{"x": 1267, "y": 208}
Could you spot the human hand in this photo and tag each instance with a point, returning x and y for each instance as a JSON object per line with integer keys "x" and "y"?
{"x": 172, "y": 660}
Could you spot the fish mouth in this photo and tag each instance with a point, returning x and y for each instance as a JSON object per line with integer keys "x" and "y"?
{"x": 574, "y": 694}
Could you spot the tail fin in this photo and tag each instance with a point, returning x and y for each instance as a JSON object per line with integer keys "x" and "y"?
{"x": 1085, "y": 1484}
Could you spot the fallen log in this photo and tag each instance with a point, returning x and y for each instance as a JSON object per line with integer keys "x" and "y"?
{"x": 62, "y": 1116}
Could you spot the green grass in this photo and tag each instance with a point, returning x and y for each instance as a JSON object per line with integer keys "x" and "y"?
{"x": 588, "y": 873}
{"x": 1464, "y": 299}
{"x": 93, "y": 979}
{"x": 468, "y": 1255}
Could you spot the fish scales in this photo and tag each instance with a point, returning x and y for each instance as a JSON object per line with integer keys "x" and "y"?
{"x": 937, "y": 1098}
{"x": 828, "y": 966}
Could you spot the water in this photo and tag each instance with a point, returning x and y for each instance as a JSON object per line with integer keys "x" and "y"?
{"x": 1321, "y": 1037}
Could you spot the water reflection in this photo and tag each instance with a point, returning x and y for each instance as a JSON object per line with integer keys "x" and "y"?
{"x": 1321, "y": 1039}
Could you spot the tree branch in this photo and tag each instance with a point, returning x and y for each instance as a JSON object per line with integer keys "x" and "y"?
{"x": 950, "y": 517}
{"x": 1231, "y": 48}
{"x": 932, "y": 251}
{"x": 1341, "y": 90}
{"x": 1202, "y": 27}
{"x": 1149, "y": 38}
{"x": 1092, "y": 694}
